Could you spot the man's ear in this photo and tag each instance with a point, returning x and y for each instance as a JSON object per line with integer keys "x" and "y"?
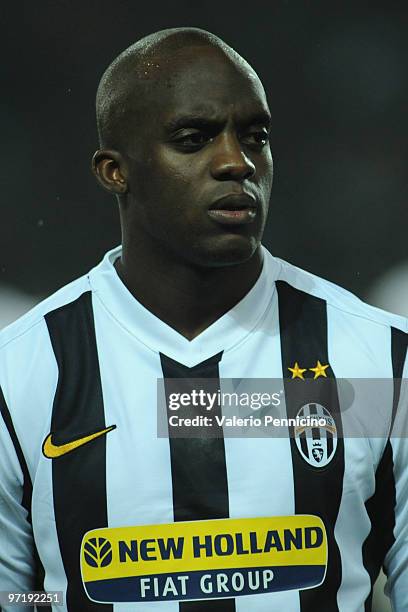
{"x": 110, "y": 170}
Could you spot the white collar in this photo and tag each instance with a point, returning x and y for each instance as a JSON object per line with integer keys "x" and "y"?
{"x": 222, "y": 335}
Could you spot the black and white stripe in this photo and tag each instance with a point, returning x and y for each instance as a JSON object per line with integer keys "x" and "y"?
{"x": 380, "y": 507}
{"x": 78, "y": 410}
{"x": 27, "y": 490}
{"x": 303, "y": 332}
{"x": 198, "y": 468}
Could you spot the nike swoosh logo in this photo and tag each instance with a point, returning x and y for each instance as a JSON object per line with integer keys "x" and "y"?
{"x": 52, "y": 451}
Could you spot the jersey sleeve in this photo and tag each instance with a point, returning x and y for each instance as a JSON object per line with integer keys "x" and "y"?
{"x": 17, "y": 564}
{"x": 396, "y": 560}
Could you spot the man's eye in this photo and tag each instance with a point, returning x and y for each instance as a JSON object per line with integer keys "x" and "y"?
{"x": 192, "y": 139}
{"x": 258, "y": 138}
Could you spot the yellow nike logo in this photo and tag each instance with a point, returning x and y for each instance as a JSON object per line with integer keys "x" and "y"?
{"x": 51, "y": 451}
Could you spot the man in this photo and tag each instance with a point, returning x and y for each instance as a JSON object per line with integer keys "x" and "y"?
{"x": 119, "y": 515}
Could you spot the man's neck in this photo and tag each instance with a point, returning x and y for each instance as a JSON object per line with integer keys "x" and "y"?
{"x": 188, "y": 298}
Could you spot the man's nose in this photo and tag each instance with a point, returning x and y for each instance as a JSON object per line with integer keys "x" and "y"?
{"x": 229, "y": 161}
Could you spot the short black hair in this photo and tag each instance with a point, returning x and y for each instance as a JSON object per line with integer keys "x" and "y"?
{"x": 126, "y": 80}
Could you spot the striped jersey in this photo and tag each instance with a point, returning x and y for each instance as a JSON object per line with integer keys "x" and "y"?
{"x": 122, "y": 519}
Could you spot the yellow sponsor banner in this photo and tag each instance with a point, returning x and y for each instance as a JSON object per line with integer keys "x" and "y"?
{"x": 191, "y": 546}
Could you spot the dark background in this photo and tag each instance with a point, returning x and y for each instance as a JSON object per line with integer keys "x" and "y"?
{"x": 336, "y": 76}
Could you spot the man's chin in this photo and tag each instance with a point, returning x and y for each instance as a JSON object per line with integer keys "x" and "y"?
{"x": 231, "y": 252}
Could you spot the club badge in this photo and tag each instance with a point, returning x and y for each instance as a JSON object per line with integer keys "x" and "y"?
{"x": 316, "y": 435}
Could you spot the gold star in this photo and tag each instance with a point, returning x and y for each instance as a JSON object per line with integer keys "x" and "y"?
{"x": 319, "y": 370}
{"x": 297, "y": 372}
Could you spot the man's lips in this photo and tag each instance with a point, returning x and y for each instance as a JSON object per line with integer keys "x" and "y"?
{"x": 233, "y": 209}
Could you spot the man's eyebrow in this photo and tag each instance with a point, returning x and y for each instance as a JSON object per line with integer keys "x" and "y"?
{"x": 202, "y": 121}
{"x": 193, "y": 120}
{"x": 260, "y": 118}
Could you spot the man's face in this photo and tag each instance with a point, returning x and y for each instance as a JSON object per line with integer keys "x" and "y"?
{"x": 200, "y": 167}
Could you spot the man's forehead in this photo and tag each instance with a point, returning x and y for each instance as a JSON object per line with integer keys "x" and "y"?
{"x": 209, "y": 67}
{"x": 192, "y": 58}
{"x": 208, "y": 86}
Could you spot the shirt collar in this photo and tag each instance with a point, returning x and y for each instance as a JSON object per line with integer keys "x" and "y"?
{"x": 222, "y": 335}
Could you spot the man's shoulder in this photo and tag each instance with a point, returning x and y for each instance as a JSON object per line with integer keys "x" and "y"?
{"x": 336, "y": 297}
{"x": 25, "y": 325}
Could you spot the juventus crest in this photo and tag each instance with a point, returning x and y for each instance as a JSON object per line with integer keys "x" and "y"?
{"x": 317, "y": 445}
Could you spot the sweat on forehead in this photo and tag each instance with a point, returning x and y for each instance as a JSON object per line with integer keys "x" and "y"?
{"x": 125, "y": 83}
